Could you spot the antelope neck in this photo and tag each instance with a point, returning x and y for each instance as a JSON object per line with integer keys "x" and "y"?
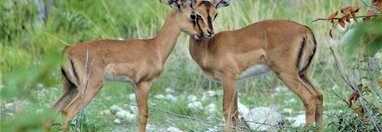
{"x": 168, "y": 35}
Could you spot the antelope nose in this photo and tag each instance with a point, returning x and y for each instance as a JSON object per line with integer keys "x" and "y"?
{"x": 210, "y": 32}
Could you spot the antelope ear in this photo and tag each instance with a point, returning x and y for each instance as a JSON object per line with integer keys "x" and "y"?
{"x": 191, "y": 3}
{"x": 178, "y": 4}
{"x": 222, "y": 3}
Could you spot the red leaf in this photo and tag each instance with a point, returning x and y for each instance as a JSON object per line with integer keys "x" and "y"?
{"x": 342, "y": 23}
{"x": 354, "y": 97}
{"x": 357, "y": 9}
{"x": 354, "y": 16}
{"x": 346, "y": 10}
{"x": 379, "y": 84}
{"x": 360, "y": 87}
{"x": 359, "y": 110}
{"x": 369, "y": 12}
{"x": 330, "y": 33}
{"x": 367, "y": 90}
{"x": 331, "y": 17}
{"x": 368, "y": 15}
{"x": 346, "y": 18}
{"x": 380, "y": 106}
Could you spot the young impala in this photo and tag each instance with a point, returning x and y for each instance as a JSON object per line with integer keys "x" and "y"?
{"x": 138, "y": 62}
{"x": 281, "y": 46}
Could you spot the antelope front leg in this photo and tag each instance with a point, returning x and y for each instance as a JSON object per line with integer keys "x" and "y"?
{"x": 229, "y": 98}
{"x": 235, "y": 111}
{"x": 141, "y": 97}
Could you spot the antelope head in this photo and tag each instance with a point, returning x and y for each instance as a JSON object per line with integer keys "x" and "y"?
{"x": 184, "y": 14}
{"x": 203, "y": 15}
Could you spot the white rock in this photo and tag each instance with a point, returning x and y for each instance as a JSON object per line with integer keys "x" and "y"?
{"x": 262, "y": 115}
{"x": 105, "y": 112}
{"x": 125, "y": 115}
{"x": 377, "y": 56}
{"x": 288, "y": 110}
{"x": 170, "y": 90}
{"x": 205, "y": 97}
{"x": 292, "y": 100}
{"x": 211, "y": 108}
{"x": 195, "y": 105}
{"x": 10, "y": 106}
{"x": 132, "y": 96}
{"x": 108, "y": 98}
{"x": 173, "y": 129}
{"x": 192, "y": 98}
{"x": 133, "y": 108}
{"x": 117, "y": 121}
{"x": 281, "y": 89}
{"x": 242, "y": 109}
{"x": 335, "y": 87}
{"x": 171, "y": 98}
{"x": 211, "y": 93}
{"x": 213, "y": 129}
{"x": 159, "y": 96}
{"x": 114, "y": 109}
{"x": 40, "y": 85}
{"x": 299, "y": 120}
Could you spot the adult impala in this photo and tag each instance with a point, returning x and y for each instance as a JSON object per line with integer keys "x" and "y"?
{"x": 137, "y": 62}
{"x": 281, "y": 46}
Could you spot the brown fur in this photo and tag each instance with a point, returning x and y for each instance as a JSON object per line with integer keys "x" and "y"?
{"x": 275, "y": 43}
{"x": 136, "y": 61}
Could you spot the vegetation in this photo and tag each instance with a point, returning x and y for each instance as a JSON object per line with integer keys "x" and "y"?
{"x": 33, "y": 34}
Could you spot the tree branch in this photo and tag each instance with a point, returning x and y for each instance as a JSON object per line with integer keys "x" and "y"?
{"x": 338, "y": 96}
{"x": 340, "y": 72}
{"x": 367, "y": 5}
{"x": 336, "y": 18}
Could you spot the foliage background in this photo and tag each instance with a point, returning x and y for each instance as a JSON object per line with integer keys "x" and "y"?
{"x": 33, "y": 34}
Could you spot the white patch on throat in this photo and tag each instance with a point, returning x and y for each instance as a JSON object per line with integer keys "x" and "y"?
{"x": 254, "y": 70}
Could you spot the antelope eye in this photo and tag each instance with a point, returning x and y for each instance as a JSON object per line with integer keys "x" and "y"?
{"x": 193, "y": 17}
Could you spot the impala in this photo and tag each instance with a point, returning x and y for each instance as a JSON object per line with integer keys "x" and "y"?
{"x": 284, "y": 47}
{"x": 138, "y": 62}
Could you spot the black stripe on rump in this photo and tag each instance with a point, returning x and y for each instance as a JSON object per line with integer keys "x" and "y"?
{"x": 313, "y": 53}
{"x": 66, "y": 76}
{"x": 74, "y": 71}
{"x": 301, "y": 52}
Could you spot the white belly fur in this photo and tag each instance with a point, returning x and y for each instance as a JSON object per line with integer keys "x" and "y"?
{"x": 111, "y": 76}
{"x": 254, "y": 70}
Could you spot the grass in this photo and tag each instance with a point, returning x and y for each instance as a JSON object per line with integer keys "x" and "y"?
{"x": 28, "y": 44}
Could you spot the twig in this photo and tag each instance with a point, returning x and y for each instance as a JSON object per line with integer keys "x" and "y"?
{"x": 336, "y": 18}
{"x": 85, "y": 82}
{"x": 340, "y": 72}
{"x": 367, "y": 5}
{"x": 338, "y": 96}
